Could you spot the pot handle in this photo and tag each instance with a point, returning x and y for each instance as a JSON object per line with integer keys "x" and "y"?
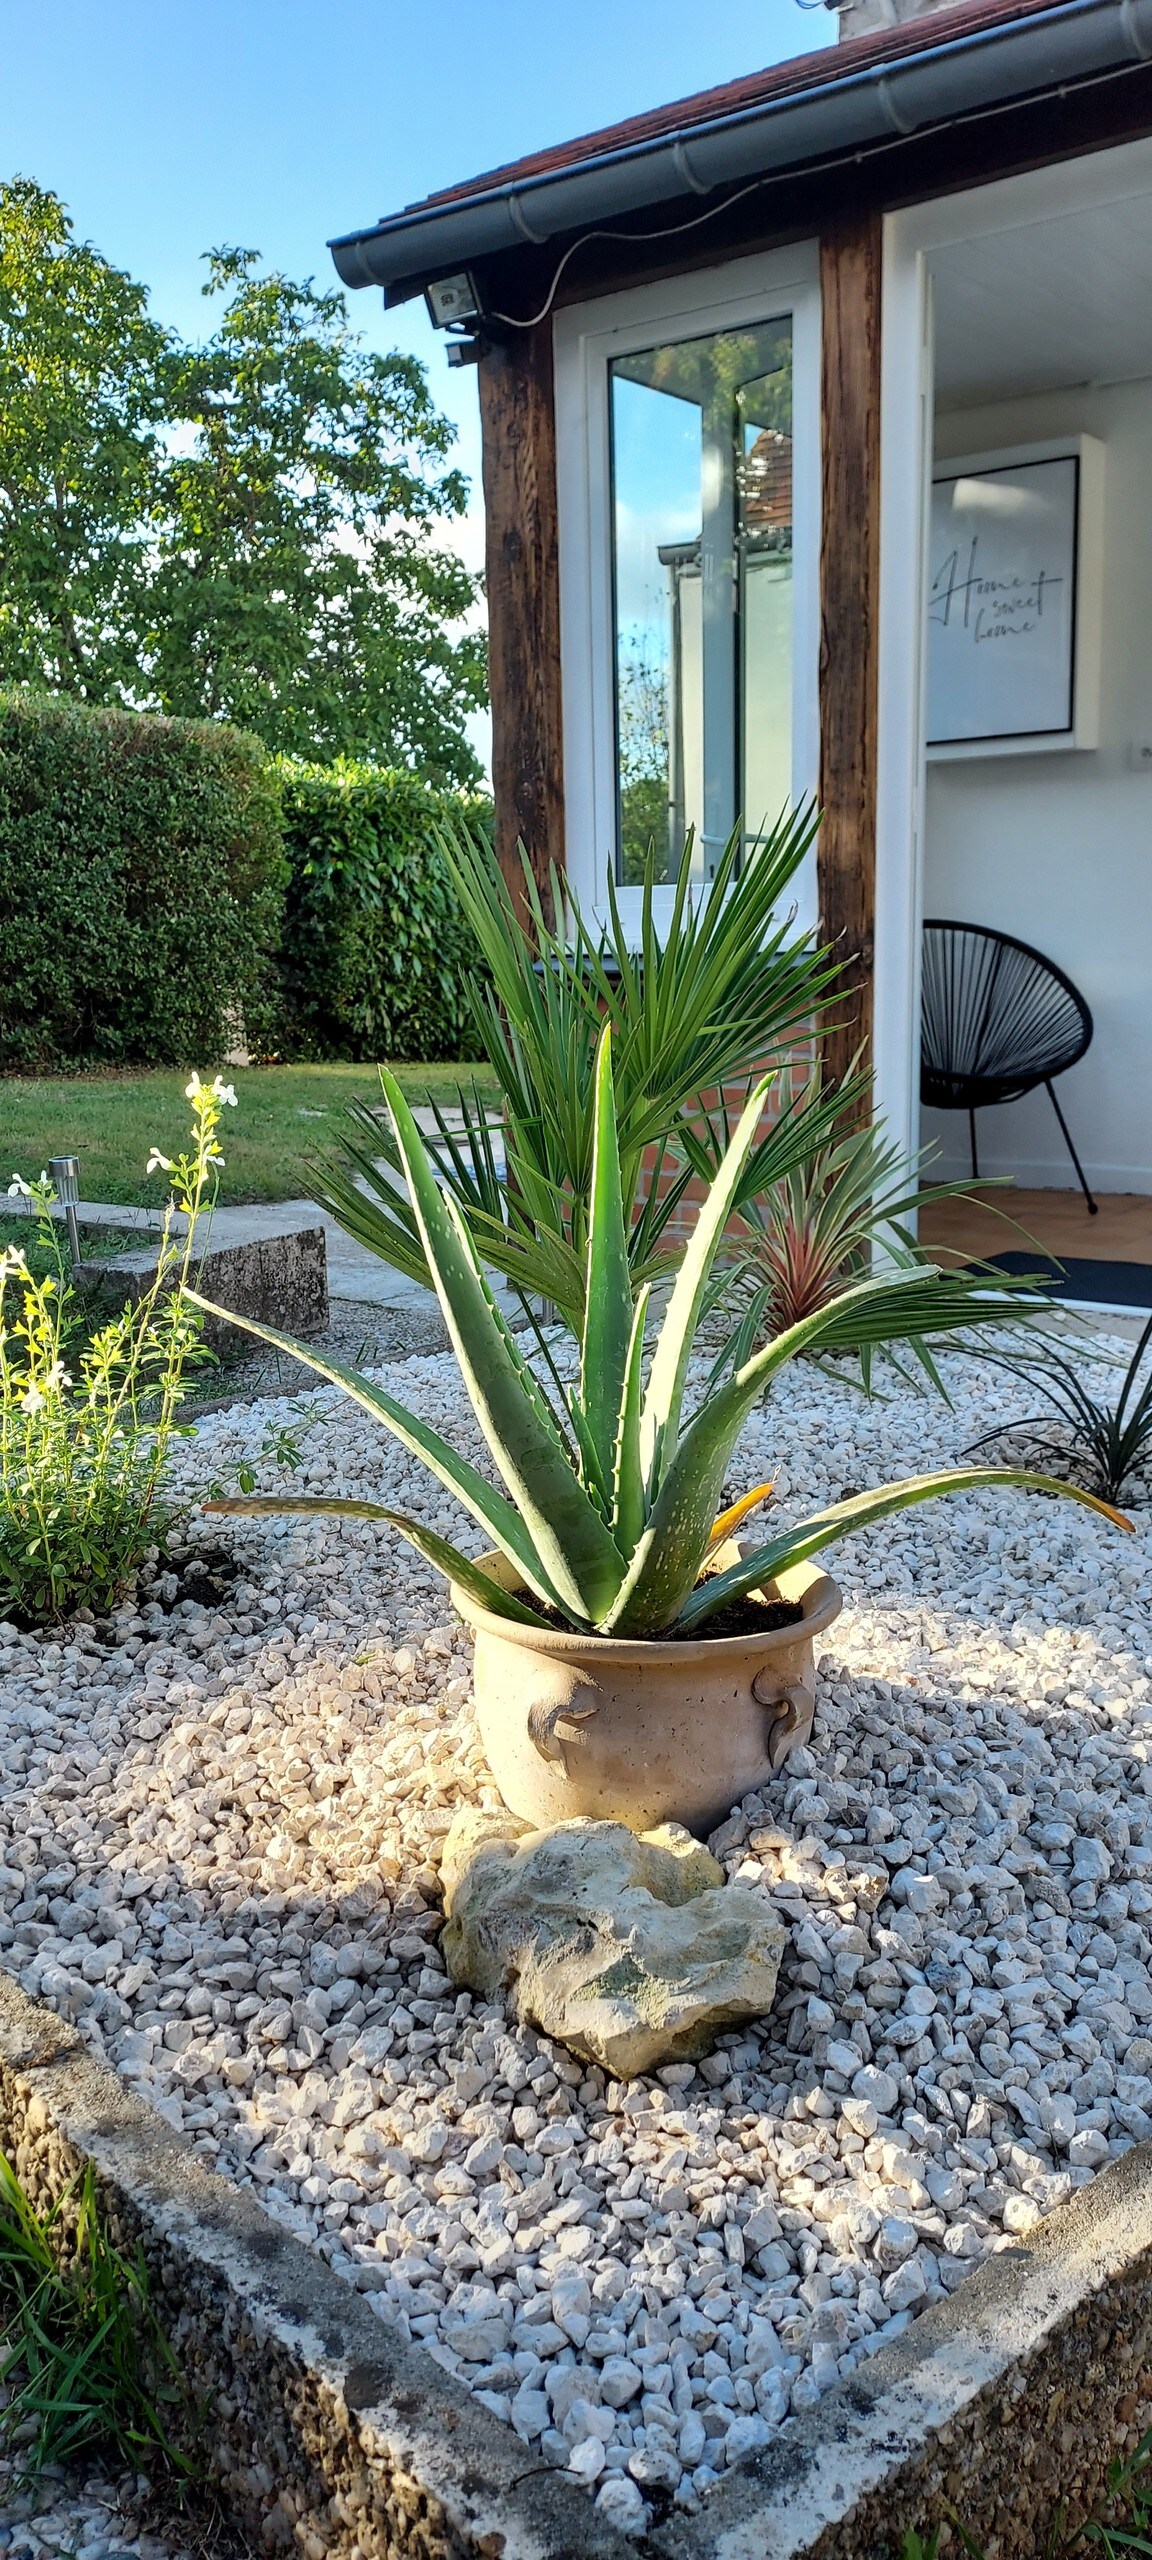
{"x": 791, "y": 1721}
{"x": 544, "y": 1717}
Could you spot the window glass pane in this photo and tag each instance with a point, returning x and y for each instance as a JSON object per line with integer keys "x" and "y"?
{"x": 702, "y": 534}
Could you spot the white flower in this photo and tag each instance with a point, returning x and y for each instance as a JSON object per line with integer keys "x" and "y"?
{"x": 157, "y": 1161}
{"x": 192, "y": 1091}
{"x": 18, "y": 1190}
{"x": 224, "y": 1092}
{"x": 12, "y": 1260}
{"x": 36, "y": 1395}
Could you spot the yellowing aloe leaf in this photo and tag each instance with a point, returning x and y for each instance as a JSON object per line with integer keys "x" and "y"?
{"x": 807, "y": 1537}
{"x": 729, "y": 1521}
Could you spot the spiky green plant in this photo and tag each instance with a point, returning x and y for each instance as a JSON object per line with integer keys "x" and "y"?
{"x": 720, "y": 988}
{"x": 613, "y": 1494}
{"x": 1105, "y": 1442}
{"x": 807, "y": 1233}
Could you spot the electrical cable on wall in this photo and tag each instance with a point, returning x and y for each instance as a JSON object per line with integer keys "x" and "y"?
{"x": 467, "y": 350}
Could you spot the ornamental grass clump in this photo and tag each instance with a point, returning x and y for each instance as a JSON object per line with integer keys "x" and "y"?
{"x": 86, "y": 1422}
{"x": 1106, "y": 1443}
{"x": 85, "y": 2367}
{"x": 609, "y": 1518}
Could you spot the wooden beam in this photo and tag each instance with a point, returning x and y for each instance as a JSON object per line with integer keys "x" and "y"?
{"x": 850, "y": 275}
{"x": 518, "y": 425}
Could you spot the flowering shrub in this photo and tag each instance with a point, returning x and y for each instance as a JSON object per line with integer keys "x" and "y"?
{"x": 85, "y": 1426}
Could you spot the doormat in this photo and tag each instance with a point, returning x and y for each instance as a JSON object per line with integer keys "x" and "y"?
{"x": 1102, "y": 1284}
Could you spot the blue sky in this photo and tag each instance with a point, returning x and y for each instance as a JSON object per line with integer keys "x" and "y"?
{"x": 174, "y": 126}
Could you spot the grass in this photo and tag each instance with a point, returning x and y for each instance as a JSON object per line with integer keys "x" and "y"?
{"x": 84, "y": 2366}
{"x": 1119, "y": 2526}
{"x": 287, "y": 1116}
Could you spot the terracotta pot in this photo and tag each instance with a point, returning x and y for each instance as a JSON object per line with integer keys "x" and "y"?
{"x": 626, "y": 1731}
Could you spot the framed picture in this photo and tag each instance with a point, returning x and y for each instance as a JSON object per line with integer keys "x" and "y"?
{"x": 1013, "y": 601}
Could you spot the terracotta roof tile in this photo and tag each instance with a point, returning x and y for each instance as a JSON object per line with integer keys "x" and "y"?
{"x": 780, "y": 80}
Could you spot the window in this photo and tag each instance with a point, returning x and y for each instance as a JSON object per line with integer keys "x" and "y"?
{"x": 688, "y": 520}
{"x": 701, "y": 528}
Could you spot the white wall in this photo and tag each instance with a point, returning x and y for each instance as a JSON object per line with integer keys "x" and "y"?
{"x": 1058, "y": 848}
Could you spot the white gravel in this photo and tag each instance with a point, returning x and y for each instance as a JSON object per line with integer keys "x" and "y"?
{"x": 95, "y": 2517}
{"x": 218, "y": 1845}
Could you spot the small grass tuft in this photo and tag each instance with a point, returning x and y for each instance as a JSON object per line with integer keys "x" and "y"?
{"x": 1119, "y": 2525}
{"x": 85, "y": 2368}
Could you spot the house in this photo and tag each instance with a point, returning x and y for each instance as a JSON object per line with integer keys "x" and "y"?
{"x": 817, "y": 426}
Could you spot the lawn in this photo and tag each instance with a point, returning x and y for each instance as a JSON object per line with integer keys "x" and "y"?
{"x": 287, "y": 1116}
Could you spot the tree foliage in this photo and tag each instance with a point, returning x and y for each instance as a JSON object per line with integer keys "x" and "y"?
{"x": 85, "y": 388}
{"x": 243, "y": 530}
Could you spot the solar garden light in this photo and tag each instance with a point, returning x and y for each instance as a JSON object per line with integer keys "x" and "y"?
{"x": 65, "y": 1172}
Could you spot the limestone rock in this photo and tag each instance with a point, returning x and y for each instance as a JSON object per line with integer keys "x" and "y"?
{"x": 630, "y": 1950}
{"x": 472, "y": 1831}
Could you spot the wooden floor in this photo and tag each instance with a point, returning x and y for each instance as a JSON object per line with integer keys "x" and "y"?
{"x": 1057, "y": 1220}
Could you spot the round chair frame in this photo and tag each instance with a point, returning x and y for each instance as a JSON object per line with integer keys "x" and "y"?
{"x": 967, "y": 1057}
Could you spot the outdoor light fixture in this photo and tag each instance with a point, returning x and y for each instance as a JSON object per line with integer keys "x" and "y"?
{"x": 65, "y": 1172}
{"x": 452, "y": 301}
{"x": 455, "y": 303}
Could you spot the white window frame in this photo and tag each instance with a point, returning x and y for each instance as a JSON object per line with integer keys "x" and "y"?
{"x": 783, "y": 284}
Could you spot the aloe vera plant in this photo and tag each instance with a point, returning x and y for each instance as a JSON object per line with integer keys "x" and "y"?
{"x": 609, "y": 1513}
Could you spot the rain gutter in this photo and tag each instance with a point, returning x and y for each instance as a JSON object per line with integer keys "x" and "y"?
{"x": 849, "y": 111}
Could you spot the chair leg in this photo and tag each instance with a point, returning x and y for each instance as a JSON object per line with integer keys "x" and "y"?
{"x": 1092, "y": 1204}
{"x": 972, "y": 1135}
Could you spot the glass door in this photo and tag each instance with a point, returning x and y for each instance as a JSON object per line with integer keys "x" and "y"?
{"x": 702, "y": 581}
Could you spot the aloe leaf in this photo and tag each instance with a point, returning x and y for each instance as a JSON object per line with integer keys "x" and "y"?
{"x": 663, "y": 1568}
{"x": 591, "y": 1469}
{"x": 447, "y": 1559}
{"x": 728, "y": 1522}
{"x": 628, "y": 1504}
{"x": 841, "y": 1518}
{"x": 487, "y": 1505}
{"x": 577, "y": 1552}
{"x": 660, "y": 1421}
{"x": 608, "y": 1296}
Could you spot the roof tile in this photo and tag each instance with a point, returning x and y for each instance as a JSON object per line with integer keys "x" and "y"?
{"x": 780, "y": 80}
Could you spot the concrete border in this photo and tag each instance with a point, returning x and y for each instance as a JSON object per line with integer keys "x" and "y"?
{"x": 1004, "y": 2406}
{"x": 331, "y": 2435}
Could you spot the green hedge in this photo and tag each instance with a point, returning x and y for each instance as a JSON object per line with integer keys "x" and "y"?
{"x": 376, "y": 956}
{"x": 141, "y": 885}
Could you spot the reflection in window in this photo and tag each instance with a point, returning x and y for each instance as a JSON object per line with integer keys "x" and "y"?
{"x": 702, "y": 532}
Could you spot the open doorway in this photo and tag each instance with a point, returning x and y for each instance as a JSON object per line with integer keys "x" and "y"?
{"x": 1037, "y": 794}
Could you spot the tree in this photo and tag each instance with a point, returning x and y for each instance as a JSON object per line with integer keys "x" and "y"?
{"x": 244, "y": 530}
{"x": 299, "y": 591}
{"x": 85, "y": 389}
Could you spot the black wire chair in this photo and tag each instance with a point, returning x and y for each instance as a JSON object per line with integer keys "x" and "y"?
{"x": 997, "y": 1019}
